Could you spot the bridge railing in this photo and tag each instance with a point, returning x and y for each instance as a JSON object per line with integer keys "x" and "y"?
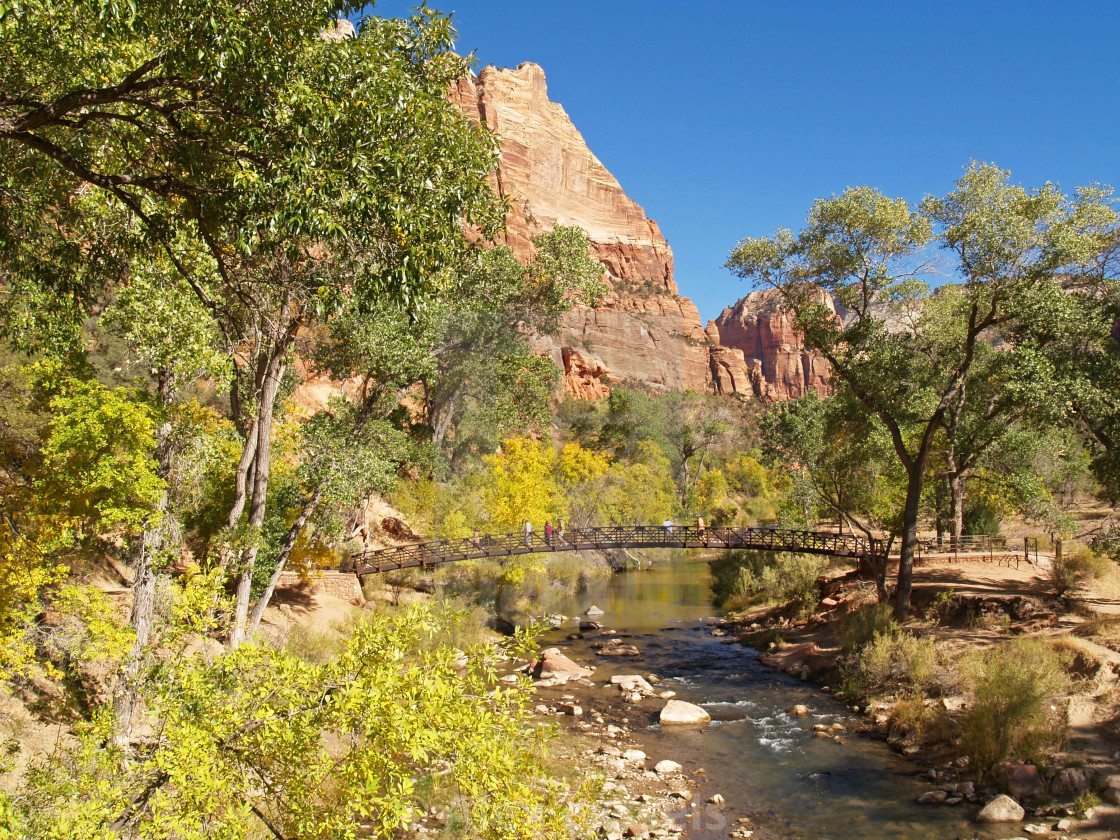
{"x": 435, "y": 552}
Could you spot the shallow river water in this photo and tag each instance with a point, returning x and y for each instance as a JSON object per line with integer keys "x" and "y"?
{"x": 764, "y": 761}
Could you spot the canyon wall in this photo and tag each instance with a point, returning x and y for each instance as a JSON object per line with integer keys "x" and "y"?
{"x": 642, "y": 331}
{"x": 780, "y": 366}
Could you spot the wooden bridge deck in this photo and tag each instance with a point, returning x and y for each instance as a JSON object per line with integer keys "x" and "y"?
{"x": 436, "y": 552}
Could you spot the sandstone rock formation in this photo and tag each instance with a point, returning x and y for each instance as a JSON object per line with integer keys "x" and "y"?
{"x": 779, "y": 365}
{"x": 550, "y": 176}
{"x": 643, "y": 330}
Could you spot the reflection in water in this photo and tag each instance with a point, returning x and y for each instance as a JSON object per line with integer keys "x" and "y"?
{"x": 757, "y": 755}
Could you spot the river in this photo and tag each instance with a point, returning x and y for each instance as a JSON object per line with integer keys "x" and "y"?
{"x": 763, "y": 761}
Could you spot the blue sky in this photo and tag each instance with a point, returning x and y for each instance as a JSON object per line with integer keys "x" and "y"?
{"x": 726, "y": 119}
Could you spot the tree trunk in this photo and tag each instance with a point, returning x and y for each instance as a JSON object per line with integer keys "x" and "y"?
{"x": 261, "y": 461}
{"x": 153, "y": 542}
{"x": 909, "y": 540}
{"x": 282, "y": 560}
{"x": 243, "y": 478}
{"x": 956, "y": 508}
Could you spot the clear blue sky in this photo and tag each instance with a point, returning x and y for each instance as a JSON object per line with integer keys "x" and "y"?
{"x": 726, "y": 119}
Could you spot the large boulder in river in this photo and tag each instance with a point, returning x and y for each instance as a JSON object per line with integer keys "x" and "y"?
{"x": 1022, "y": 780}
{"x": 553, "y": 661}
{"x": 1071, "y": 782}
{"x": 677, "y": 712}
{"x": 632, "y": 684}
{"x": 1001, "y": 809}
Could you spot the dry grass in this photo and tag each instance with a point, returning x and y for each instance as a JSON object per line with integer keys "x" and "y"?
{"x": 1010, "y": 716}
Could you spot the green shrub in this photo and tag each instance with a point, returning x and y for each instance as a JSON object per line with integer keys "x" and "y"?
{"x": 1078, "y": 565}
{"x": 897, "y": 662}
{"x": 1010, "y": 716}
{"x": 866, "y": 623}
{"x": 743, "y": 579}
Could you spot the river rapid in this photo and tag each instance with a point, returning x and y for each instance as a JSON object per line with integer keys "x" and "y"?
{"x": 766, "y": 763}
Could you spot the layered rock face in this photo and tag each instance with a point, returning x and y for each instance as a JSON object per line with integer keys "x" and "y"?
{"x": 779, "y": 365}
{"x": 642, "y": 331}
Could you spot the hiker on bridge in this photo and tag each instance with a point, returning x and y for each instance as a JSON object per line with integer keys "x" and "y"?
{"x": 548, "y": 532}
{"x": 528, "y": 533}
{"x": 668, "y": 526}
{"x": 701, "y": 532}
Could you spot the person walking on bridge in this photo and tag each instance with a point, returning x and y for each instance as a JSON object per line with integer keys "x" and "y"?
{"x": 548, "y": 531}
{"x": 528, "y": 533}
{"x": 701, "y": 532}
{"x": 668, "y": 526}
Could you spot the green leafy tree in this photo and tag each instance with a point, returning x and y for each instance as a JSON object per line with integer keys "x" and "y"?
{"x": 284, "y": 173}
{"x": 864, "y": 252}
{"x": 842, "y": 466}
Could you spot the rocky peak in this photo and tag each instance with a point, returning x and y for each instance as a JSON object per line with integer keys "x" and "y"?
{"x": 552, "y": 177}
{"x": 642, "y": 330}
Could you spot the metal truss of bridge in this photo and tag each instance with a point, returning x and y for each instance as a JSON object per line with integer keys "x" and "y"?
{"x": 436, "y": 552}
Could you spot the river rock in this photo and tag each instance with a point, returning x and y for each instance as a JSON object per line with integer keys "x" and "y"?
{"x": 1022, "y": 780}
{"x": 1036, "y": 829}
{"x": 634, "y": 755}
{"x": 570, "y": 709}
{"x": 586, "y": 625}
{"x": 553, "y": 661}
{"x": 667, "y": 695}
{"x": 800, "y": 710}
{"x": 677, "y": 712}
{"x": 616, "y": 647}
{"x": 632, "y": 683}
{"x": 1001, "y": 809}
{"x": 933, "y": 797}
{"x": 716, "y": 799}
{"x": 1110, "y": 789}
{"x": 593, "y": 611}
{"x": 666, "y": 767}
{"x": 1071, "y": 782}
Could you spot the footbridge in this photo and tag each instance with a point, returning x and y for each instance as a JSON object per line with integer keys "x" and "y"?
{"x": 437, "y": 552}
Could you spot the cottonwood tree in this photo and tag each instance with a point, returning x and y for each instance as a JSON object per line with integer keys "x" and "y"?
{"x": 842, "y": 464}
{"x": 869, "y": 254}
{"x": 279, "y": 173}
{"x": 693, "y": 427}
{"x": 1071, "y": 327}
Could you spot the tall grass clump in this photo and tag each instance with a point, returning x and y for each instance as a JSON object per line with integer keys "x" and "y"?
{"x": 742, "y": 579}
{"x": 866, "y": 623}
{"x": 1010, "y": 716}
{"x": 898, "y": 663}
{"x": 1078, "y": 566}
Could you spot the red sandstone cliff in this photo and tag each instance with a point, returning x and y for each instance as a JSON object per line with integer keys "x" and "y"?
{"x": 641, "y": 331}
{"x": 780, "y": 366}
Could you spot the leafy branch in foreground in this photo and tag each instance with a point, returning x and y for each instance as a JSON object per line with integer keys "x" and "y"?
{"x": 354, "y": 747}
